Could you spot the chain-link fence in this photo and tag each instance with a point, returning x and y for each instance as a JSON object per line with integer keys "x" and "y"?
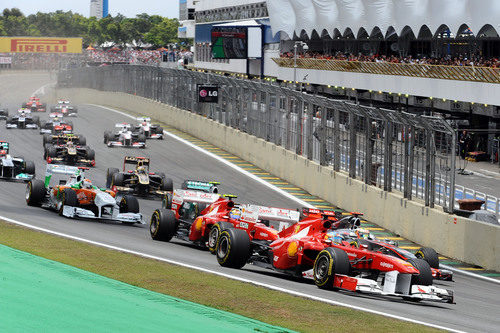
{"x": 389, "y": 149}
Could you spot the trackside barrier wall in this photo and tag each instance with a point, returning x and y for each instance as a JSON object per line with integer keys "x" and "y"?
{"x": 457, "y": 237}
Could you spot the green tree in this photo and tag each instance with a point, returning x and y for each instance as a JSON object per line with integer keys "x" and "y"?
{"x": 163, "y": 33}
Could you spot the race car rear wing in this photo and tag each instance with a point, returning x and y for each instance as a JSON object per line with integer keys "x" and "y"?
{"x": 250, "y": 212}
{"x": 122, "y": 125}
{"x": 181, "y": 196}
{"x": 322, "y": 212}
{"x": 143, "y": 119}
{"x": 4, "y": 145}
{"x": 135, "y": 160}
{"x": 63, "y": 138}
{"x": 210, "y": 187}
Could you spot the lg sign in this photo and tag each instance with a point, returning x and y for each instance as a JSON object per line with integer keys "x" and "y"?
{"x": 208, "y": 94}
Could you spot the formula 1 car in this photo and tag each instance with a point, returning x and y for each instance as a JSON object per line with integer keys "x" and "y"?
{"x": 307, "y": 249}
{"x": 58, "y": 139}
{"x": 76, "y": 197}
{"x": 363, "y": 238}
{"x": 56, "y": 125}
{"x": 34, "y": 105}
{"x": 183, "y": 211}
{"x": 69, "y": 152}
{"x": 199, "y": 217}
{"x": 23, "y": 120}
{"x": 150, "y": 131}
{"x": 14, "y": 168}
{"x": 63, "y": 107}
{"x": 138, "y": 180}
{"x": 124, "y": 137}
{"x": 4, "y": 113}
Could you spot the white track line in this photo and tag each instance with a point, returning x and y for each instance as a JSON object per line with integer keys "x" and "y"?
{"x": 229, "y": 276}
{"x": 271, "y": 186}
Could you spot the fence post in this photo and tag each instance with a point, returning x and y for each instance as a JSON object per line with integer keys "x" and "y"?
{"x": 352, "y": 145}
{"x": 299, "y": 125}
{"x": 369, "y": 142}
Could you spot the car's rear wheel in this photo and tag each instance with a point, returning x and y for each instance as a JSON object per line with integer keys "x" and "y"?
{"x": 141, "y": 138}
{"x": 129, "y": 204}
{"x": 428, "y": 254}
{"x": 163, "y": 225}
{"x": 90, "y": 154}
{"x": 213, "y": 235}
{"x": 35, "y": 192}
{"x": 68, "y": 198}
{"x": 29, "y": 167}
{"x": 51, "y": 151}
{"x": 329, "y": 262}
{"x": 233, "y": 248}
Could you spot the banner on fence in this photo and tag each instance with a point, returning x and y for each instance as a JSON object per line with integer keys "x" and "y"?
{"x": 208, "y": 93}
{"x": 40, "y": 45}
{"x": 5, "y": 60}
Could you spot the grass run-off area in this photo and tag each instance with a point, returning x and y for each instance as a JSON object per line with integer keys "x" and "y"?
{"x": 260, "y": 303}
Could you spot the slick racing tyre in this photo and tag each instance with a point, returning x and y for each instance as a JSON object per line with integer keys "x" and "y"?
{"x": 141, "y": 138}
{"x": 129, "y": 204}
{"x": 329, "y": 262}
{"x": 428, "y": 254}
{"x": 166, "y": 201}
{"x": 424, "y": 278}
{"x": 82, "y": 141}
{"x": 118, "y": 179}
{"x": 167, "y": 184}
{"x": 35, "y": 192}
{"x": 90, "y": 154}
{"x": 213, "y": 235}
{"x": 163, "y": 225}
{"x": 47, "y": 138}
{"x": 109, "y": 176}
{"x": 29, "y": 167}
{"x": 107, "y": 136}
{"x": 233, "y": 248}
{"x": 68, "y": 198}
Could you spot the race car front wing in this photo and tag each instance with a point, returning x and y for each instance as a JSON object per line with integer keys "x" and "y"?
{"x": 73, "y": 212}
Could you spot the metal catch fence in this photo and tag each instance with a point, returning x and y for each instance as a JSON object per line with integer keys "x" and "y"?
{"x": 393, "y": 150}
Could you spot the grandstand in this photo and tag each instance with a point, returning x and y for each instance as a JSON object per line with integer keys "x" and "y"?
{"x": 424, "y": 57}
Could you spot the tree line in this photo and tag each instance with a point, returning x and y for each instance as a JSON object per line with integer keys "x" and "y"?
{"x": 152, "y": 29}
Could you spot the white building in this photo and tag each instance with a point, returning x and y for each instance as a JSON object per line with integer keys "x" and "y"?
{"x": 99, "y": 8}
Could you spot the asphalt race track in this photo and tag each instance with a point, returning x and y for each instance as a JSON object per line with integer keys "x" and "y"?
{"x": 478, "y": 301}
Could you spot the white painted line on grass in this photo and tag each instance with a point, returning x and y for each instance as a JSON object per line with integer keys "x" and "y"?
{"x": 271, "y": 186}
{"x": 229, "y": 276}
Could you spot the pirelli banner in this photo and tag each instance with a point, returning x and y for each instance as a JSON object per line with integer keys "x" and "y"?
{"x": 40, "y": 45}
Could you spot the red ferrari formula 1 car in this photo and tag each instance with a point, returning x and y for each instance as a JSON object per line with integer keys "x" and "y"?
{"x": 363, "y": 238}
{"x": 181, "y": 217}
{"x": 308, "y": 249}
{"x": 34, "y": 105}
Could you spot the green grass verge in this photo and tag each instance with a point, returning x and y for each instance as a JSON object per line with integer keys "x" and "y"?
{"x": 260, "y": 303}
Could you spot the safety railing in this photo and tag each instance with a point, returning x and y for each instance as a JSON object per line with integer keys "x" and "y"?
{"x": 461, "y": 73}
{"x": 393, "y": 150}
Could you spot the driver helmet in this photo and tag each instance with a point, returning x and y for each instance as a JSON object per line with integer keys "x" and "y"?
{"x": 363, "y": 233}
{"x": 141, "y": 169}
{"x": 235, "y": 214}
{"x": 3, "y": 152}
{"x": 70, "y": 143}
{"x": 334, "y": 236}
{"x": 86, "y": 183}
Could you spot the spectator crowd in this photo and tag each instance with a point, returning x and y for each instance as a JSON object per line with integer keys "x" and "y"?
{"x": 460, "y": 60}
{"x": 94, "y": 57}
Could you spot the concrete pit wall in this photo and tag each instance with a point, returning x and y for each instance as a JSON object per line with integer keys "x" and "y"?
{"x": 453, "y": 236}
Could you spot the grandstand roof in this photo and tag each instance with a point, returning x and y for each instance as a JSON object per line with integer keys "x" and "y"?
{"x": 335, "y": 17}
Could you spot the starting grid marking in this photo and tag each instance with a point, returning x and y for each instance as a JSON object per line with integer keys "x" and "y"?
{"x": 316, "y": 201}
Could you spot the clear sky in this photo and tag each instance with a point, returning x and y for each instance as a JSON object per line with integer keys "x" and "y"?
{"x": 129, "y": 8}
